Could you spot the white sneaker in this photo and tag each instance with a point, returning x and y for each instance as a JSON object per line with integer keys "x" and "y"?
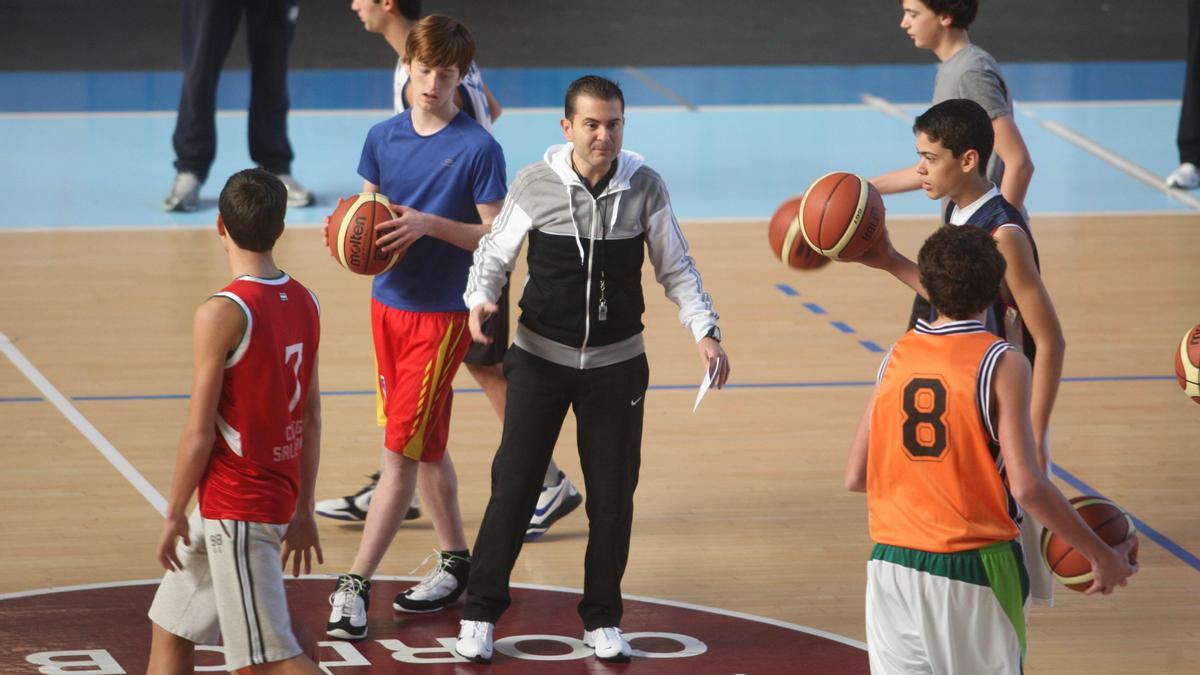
{"x": 185, "y": 193}
{"x": 1186, "y": 177}
{"x": 553, "y": 503}
{"x": 350, "y": 600}
{"x": 297, "y": 194}
{"x": 354, "y": 507}
{"x": 608, "y": 642}
{"x": 475, "y": 641}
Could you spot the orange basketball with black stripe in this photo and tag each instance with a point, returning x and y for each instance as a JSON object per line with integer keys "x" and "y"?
{"x": 935, "y": 477}
{"x": 350, "y": 234}
{"x": 786, "y": 240}
{"x": 1187, "y": 363}
{"x": 1107, "y": 520}
{"x": 841, "y": 215}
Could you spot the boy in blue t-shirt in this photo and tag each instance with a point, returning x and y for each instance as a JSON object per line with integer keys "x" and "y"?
{"x": 445, "y": 176}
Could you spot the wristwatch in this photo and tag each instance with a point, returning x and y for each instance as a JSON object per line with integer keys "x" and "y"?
{"x": 714, "y": 333}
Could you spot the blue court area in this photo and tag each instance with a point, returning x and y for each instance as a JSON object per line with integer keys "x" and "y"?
{"x": 732, "y": 142}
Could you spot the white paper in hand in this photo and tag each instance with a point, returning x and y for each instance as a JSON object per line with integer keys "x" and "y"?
{"x": 707, "y": 382}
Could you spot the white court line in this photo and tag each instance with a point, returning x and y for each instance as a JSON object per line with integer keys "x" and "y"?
{"x": 886, "y": 107}
{"x": 662, "y": 89}
{"x": 1138, "y": 172}
{"x": 81, "y": 423}
{"x": 1071, "y": 136}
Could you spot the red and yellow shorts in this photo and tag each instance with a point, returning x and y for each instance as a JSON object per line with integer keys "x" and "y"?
{"x": 416, "y": 357}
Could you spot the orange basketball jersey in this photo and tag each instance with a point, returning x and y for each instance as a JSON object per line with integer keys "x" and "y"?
{"x": 935, "y": 476}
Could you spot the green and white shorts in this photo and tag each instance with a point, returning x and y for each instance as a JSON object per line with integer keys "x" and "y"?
{"x": 935, "y": 613}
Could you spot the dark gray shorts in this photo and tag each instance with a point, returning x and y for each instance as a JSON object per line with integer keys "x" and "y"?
{"x": 497, "y": 329}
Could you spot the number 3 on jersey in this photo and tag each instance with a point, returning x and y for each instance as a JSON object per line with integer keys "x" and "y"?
{"x": 289, "y": 351}
{"x": 924, "y": 417}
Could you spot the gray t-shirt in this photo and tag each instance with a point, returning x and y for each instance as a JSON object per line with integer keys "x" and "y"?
{"x": 972, "y": 73}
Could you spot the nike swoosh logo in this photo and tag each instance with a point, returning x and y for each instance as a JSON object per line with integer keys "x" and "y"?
{"x": 553, "y": 502}
{"x": 636, "y": 401}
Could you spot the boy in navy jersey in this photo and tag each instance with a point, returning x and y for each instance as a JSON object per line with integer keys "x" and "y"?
{"x": 251, "y": 447}
{"x": 954, "y": 140}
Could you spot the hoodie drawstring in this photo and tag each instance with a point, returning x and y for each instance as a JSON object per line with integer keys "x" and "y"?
{"x": 574, "y": 225}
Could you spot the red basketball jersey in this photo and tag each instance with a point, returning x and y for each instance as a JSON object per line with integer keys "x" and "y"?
{"x": 254, "y": 471}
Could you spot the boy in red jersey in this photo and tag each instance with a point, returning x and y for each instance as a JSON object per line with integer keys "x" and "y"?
{"x": 945, "y": 452}
{"x": 251, "y": 446}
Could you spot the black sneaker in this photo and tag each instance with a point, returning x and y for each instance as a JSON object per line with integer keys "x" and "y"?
{"x": 354, "y": 507}
{"x": 440, "y": 588}
{"x": 350, "y": 600}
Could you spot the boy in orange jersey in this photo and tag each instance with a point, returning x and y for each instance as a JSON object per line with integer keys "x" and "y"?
{"x": 251, "y": 448}
{"x": 945, "y": 453}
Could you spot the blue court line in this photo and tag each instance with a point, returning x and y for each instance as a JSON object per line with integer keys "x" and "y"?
{"x": 1067, "y": 477}
{"x": 841, "y": 326}
{"x": 1151, "y": 533}
{"x": 658, "y": 387}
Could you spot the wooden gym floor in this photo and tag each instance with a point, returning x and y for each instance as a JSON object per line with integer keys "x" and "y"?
{"x": 740, "y": 505}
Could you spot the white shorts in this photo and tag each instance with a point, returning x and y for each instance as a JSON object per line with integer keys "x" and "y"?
{"x": 946, "y": 613}
{"x": 231, "y": 586}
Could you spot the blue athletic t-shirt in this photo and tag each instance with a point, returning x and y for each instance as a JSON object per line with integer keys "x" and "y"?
{"x": 446, "y": 173}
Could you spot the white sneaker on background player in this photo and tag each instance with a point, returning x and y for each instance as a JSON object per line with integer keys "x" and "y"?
{"x": 554, "y": 502}
{"x": 354, "y": 507}
{"x": 1186, "y": 177}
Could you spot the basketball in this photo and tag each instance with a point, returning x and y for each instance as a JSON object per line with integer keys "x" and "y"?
{"x": 786, "y": 241}
{"x": 1187, "y": 363}
{"x": 1107, "y": 520}
{"x": 350, "y": 234}
{"x": 841, "y": 215}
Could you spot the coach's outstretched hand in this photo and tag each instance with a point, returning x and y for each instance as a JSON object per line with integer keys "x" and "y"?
{"x": 710, "y": 351}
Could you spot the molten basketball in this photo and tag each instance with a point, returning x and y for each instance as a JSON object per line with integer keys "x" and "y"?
{"x": 786, "y": 241}
{"x": 1187, "y": 363}
{"x": 1107, "y": 520}
{"x": 350, "y": 234}
{"x": 841, "y": 215}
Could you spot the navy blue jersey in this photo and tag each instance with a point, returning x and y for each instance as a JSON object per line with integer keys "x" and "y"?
{"x": 1004, "y": 317}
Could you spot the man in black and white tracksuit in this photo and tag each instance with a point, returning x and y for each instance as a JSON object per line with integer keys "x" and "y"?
{"x": 591, "y": 212}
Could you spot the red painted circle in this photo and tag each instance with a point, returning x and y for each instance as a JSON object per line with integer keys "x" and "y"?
{"x": 539, "y": 634}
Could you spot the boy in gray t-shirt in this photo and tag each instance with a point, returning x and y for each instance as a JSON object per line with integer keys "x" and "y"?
{"x": 965, "y": 71}
{"x": 973, "y": 74}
